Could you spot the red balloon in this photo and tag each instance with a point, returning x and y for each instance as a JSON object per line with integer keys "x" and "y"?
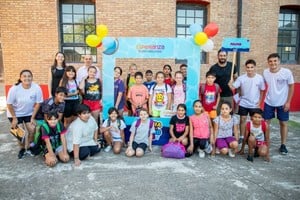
{"x": 211, "y": 29}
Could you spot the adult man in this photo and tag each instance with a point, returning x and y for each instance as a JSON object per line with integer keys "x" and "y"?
{"x": 82, "y": 71}
{"x": 222, "y": 69}
{"x": 279, "y": 94}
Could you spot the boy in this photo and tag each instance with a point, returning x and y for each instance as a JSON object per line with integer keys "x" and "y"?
{"x": 258, "y": 136}
{"x": 279, "y": 94}
{"x": 149, "y": 82}
{"x": 138, "y": 94}
{"x": 251, "y": 87}
{"x": 209, "y": 93}
{"x": 183, "y": 69}
{"x": 56, "y": 103}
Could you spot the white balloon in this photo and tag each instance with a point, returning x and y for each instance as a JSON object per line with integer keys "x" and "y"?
{"x": 208, "y": 46}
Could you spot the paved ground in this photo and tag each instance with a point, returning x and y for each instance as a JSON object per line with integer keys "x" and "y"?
{"x": 108, "y": 176}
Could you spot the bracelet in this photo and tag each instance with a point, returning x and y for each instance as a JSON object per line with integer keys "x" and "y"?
{"x": 76, "y": 158}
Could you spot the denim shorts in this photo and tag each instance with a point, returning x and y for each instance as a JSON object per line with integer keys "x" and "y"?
{"x": 269, "y": 113}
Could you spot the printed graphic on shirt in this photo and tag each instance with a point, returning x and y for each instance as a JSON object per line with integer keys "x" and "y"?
{"x": 93, "y": 90}
{"x": 159, "y": 99}
{"x": 179, "y": 127}
{"x": 210, "y": 97}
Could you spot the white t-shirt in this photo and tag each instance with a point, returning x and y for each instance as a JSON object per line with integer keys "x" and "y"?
{"x": 250, "y": 89}
{"x": 83, "y": 73}
{"x": 23, "y": 100}
{"x": 82, "y": 133}
{"x": 278, "y": 86}
{"x": 160, "y": 97}
{"x": 142, "y": 132}
{"x": 115, "y": 131}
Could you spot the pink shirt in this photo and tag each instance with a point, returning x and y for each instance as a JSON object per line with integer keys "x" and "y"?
{"x": 200, "y": 126}
{"x": 138, "y": 94}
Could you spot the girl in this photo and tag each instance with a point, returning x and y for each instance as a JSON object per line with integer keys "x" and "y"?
{"x": 119, "y": 91}
{"x": 160, "y": 96}
{"x": 225, "y": 126}
{"x": 179, "y": 126}
{"x": 179, "y": 89}
{"x": 130, "y": 81}
{"x": 258, "y": 134}
{"x": 201, "y": 131}
{"x": 140, "y": 135}
{"x": 91, "y": 89}
{"x": 82, "y": 135}
{"x": 72, "y": 99}
{"x": 167, "y": 70}
{"x": 23, "y": 103}
{"x": 55, "y": 141}
{"x": 113, "y": 129}
{"x": 56, "y": 73}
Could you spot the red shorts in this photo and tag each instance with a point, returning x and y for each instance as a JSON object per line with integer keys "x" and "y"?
{"x": 93, "y": 105}
{"x": 261, "y": 143}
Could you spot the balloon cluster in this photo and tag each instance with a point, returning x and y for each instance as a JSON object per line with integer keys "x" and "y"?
{"x": 202, "y": 38}
{"x": 109, "y": 44}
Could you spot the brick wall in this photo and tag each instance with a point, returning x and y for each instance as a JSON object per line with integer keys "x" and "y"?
{"x": 30, "y": 38}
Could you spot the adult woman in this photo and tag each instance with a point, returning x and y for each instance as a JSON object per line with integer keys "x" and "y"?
{"x": 56, "y": 72}
{"x": 23, "y": 102}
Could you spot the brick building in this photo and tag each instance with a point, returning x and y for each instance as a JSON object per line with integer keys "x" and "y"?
{"x": 32, "y": 31}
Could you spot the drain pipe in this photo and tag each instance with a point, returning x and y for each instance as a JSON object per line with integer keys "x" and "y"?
{"x": 239, "y": 31}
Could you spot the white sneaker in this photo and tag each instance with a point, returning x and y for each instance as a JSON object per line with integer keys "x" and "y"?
{"x": 208, "y": 149}
{"x": 108, "y": 148}
{"x": 217, "y": 151}
{"x": 231, "y": 153}
{"x": 201, "y": 153}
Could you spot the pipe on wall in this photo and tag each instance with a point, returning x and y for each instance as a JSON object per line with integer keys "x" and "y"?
{"x": 239, "y": 31}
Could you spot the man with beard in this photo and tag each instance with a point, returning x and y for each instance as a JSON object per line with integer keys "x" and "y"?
{"x": 222, "y": 69}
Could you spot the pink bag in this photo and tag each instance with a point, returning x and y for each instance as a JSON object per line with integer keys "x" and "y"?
{"x": 173, "y": 150}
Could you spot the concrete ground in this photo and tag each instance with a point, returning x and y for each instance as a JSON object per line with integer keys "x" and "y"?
{"x": 109, "y": 176}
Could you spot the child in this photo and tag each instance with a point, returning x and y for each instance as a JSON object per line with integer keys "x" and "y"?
{"x": 82, "y": 135}
{"x": 226, "y": 125}
{"x": 179, "y": 90}
{"x": 251, "y": 87}
{"x": 140, "y": 135}
{"x": 149, "y": 82}
{"x": 119, "y": 91}
{"x": 72, "y": 99}
{"x": 183, "y": 69}
{"x": 201, "y": 131}
{"x": 138, "y": 94}
{"x": 55, "y": 141}
{"x": 113, "y": 129}
{"x": 130, "y": 81}
{"x": 91, "y": 89}
{"x": 258, "y": 135}
{"x": 209, "y": 94}
{"x": 167, "y": 70}
{"x": 160, "y": 96}
{"x": 179, "y": 126}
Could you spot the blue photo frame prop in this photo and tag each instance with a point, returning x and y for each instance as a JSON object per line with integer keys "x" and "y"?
{"x": 158, "y": 48}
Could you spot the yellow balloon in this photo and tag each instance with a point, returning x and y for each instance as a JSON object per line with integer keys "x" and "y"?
{"x": 101, "y": 30}
{"x": 93, "y": 40}
{"x": 200, "y": 38}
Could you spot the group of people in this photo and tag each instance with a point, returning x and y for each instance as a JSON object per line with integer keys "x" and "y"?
{"x": 69, "y": 119}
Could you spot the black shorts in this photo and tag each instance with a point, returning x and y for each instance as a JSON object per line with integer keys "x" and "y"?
{"x": 24, "y": 119}
{"x": 140, "y": 145}
{"x": 245, "y": 111}
{"x": 201, "y": 143}
{"x": 70, "y": 108}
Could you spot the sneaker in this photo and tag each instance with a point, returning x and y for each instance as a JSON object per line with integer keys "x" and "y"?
{"x": 28, "y": 153}
{"x": 208, "y": 149}
{"x": 201, "y": 153}
{"x": 217, "y": 151}
{"x": 283, "y": 150}
{"x": 21, "y": 153}
{"x": 231, "y": 153}
{"x": 108, "y": 148}
{"x": 241, "y": 140}
{"x": 250, "y": 158}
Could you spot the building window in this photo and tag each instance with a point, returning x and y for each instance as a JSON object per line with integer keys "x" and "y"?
{"x": 288, "y": 36}
{"x": 187, "y": 14}
{"x": 76, "y": 22}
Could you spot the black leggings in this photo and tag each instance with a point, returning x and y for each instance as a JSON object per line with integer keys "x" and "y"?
{"x": 86, "y": 151}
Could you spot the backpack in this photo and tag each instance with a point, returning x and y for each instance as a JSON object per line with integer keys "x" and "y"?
{"x": 202, "y": 88}
{"x": 118, "y": 123}
{"x": 173, "y": 150}
{"x": 39, "y": 144}
{"x": 154, "y": 85}
{"x": 183, "y": 87}
{"x": 138, "y": 123}
{"x": 263, "y": 126}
